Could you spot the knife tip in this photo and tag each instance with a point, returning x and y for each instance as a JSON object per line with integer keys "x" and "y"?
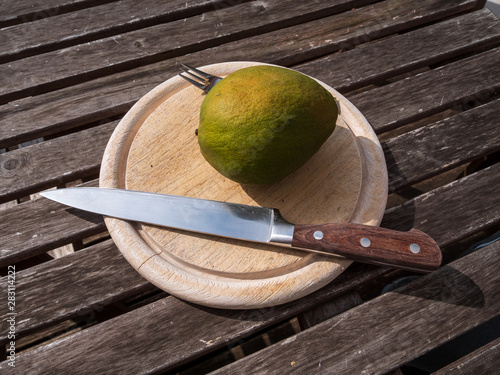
{"x": 48, "y": 194}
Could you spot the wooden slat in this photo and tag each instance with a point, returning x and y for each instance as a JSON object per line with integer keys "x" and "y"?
{"x": 390, "y": 106}
{"x": 328, "y": 310}
{"x": 53, "y": 162}
{"x": 346, "y": 30}
{"x": 373, "y": 62}
{"x": 485, "y": 360}
{"x": 28, "y": 235}
{"x": 68, "y": 108}
{"x": 63, "y": 30}
{"x": 387, "y": 332}
{"x": 83, "y": 282}
{"x": 453, "y": 211}
{"x": 124, "y": 51}
{"x": 108, "y": 96}
{"x": 423, "y": 209}
{"x": 40, "y": 225}
{"x": 12, "y": 12}
{"x": 435, "y": 148}
{"x": 446, "y": 150}
{"x": 145, "y": 46}
{"x": 47, "y": 162}
{"x": 167, "y": 324}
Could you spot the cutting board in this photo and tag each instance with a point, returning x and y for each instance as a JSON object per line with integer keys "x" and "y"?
{"x": 154, "y": 148}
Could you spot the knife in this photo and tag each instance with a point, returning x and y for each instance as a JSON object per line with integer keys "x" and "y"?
{"x": 412, "y": 250}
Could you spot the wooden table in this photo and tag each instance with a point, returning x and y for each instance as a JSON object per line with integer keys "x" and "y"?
{"x": 424, "y": 73}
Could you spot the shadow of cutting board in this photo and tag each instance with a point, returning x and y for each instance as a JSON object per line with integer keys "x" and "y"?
{"x": 155, "y": 149}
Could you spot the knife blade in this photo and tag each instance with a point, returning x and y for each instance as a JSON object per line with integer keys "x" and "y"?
{"x": 412, "y": 250}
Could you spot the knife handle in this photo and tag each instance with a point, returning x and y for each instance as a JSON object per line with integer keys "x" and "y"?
{"x": 413, "y": 250}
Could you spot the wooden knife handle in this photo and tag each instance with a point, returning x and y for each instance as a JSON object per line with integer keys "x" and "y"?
{"x": 411, "y": 250}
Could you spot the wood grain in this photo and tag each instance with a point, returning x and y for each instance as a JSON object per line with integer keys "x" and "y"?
{"x": 155, "y": 43}
{"x": 359, "y": 26}
{"x": 481, "y": 361}
{"x": 371, "y": 63}
{"x": 328, "y": 309}
{"x": 168, "y": 324}
{"x": 37, "y": 226}
{"x": 163, "y": 123}
{"x": 28, "y": 10}
{"x": 85, "y": 282}
{"x": 98, "y": 99}
{"x": 440, "y": 89}
{"x": 440, "y": 146}
{"x": 387, "y": 330}
{"x": 63, "y": 227}
{"x": 123, "y": 87}
{"x": 371, "y": 244}
{"x": 178, "y": 337}
{"x": 53, "y": 162}
{"x": 38, "y": 235}
{"x": 468, "y": 205}
{"x": 148, "y": 45}
{"x": 62, "y": 30}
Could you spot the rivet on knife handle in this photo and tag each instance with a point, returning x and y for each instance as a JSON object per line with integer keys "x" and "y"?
{"x": 412, "y": 250}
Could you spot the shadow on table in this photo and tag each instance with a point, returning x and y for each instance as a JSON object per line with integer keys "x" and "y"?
{"x": 451, "y": 287}
{"x": 90, "y": 217}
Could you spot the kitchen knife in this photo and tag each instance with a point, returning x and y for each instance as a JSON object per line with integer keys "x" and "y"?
{"x": 370, "y": 244}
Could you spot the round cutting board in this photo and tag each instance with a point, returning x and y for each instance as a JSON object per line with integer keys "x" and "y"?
{"x": 154, "y": 148}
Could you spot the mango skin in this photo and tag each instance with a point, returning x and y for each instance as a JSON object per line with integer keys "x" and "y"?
{"x": 262, "y": 123}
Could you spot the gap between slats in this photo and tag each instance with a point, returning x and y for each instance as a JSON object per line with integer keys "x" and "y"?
{"x": 146, "y": 46}
{"x": 23, "y": 11}
{"x": 128, "y": 57}
{"x": 401, "y": 217}
{"x": 111, "y": 96}
{"x": 46, "y": 162}
{"x": 89, "y": 24}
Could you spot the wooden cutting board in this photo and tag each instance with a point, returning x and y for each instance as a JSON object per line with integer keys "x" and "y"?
{"x": 155, "y": 149}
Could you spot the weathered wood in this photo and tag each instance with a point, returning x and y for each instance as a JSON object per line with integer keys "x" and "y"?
{"x": 435, "y": 148}
{"x": 386, "y": 332}
{"x": 38, "y": 236}
{"x": 28, "y": 10}
{"x": 114, "y": 94}
{"x": 124, "y": 51}
{"x": 168, "y": 324}
{"x": 209, "y": 271}
{"x": 47, "y": 162}
{"x": 465, "y": 206}
{"x": 485, "y": 360}
{"x": 471, "y": 213}
{"x": 52, "y": 162}
{"x": 63, "y": 30}
{"x": 37, "y": 226}
{"x": 371, "y": 63}
{"x": 480, "y": 4}
{"x": 346, "y": 30}
{"x": 329, "y": 309}
{"x": 450, "y": 213}
{"x": 84, "y": 282}
{"x": 431, "y": 203}
{"x": 470, "y": 79}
